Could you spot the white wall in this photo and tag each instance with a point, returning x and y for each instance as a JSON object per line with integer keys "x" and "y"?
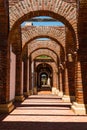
{"x": 12, "y": 75}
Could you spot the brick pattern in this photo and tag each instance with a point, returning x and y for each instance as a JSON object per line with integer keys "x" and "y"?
{"x": 25, "y": 78}
{"x": 79, "y": 86}
{"x": 52, "y": 64}
{"x": 70, "y": 49}
{"x": 31, "y": 32}
{"x": 30, "y": 76}
{"x": 82, "y": 25}
{"x": 34, "y": 45}
{"x": 4, "y": 52}
{"x": 44, "y": 52}
{"x": 66, "y": 82}
{"x": 18, "y": 62}
{"x": 55, "y": 70}
{"x": 82, "y": 60}
{"x": 60, "y": 80}
{"x": 20, "y": 8}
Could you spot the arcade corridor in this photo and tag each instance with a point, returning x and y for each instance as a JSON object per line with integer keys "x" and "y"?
{"x": 43, "y": 112}
{"x": 43, "y": 64}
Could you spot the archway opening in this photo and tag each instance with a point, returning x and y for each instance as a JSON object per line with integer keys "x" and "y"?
{"x": 44, "y": 77}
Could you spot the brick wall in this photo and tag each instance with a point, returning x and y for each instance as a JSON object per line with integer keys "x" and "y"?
{"x": 31, "y": 32}
{"x": 4, "y": 52}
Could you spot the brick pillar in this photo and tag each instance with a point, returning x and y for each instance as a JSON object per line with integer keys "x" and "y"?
{"x": 35, "y": 84}
{"x": 71, "y": 79}
{"x": 54, "y": 88}
{"x": 66, "y": 97}
{"x": 79, "y": 86}
{"x": 25, "y": 77}
{"x": 57, "y": 80}
{"x": 30, "y": 76}
{"x": 5, "y": 105}
{"x": 54, "y": 79}
{"x": 33, "y": 76}
{"x": 61, "y": 85}
{"x": 66, "y": 82}
{"x": 19, "y": 94}
{"x": 79, "y": 107}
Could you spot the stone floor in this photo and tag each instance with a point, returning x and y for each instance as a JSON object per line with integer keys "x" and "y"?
{"x": 43, "y": 112}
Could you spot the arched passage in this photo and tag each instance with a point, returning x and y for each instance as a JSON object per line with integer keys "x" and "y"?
{"x": 32, "y": 32}
{"x": 28, "y": 9}
{"x": 45, "y": 51}
{"x": 44, "y": 77}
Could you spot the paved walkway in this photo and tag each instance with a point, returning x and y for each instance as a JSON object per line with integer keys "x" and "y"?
{"x": 43, "y": 112}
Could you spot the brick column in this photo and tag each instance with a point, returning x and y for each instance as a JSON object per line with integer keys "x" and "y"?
{"x": 30, "y": 77}
{"x": 5, "y": 105}
{"x": 57, "y": 91}
{"x": 79, "y": 107}
{"x": 54, "y": 88}
{"x": 66, "y": 97}
{"x": 25, "y": 77}
{"x": 19, "y": 94}
{"x": 35, "y": 84}
{"x": 61, "y": 85}
{"x": 33, "y": 76}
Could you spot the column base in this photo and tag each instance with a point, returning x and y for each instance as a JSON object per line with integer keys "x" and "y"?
{"x": 26, "y": 94}
{"x": 19, "y": 98}
{"x": 30, "y": 92}
{"x": 66, "y": 98}
{"x": 72, "y": 98}
{"x": 79, "y": 109}
{"x": 55, "y": 91}
{"x": 34, "y": 91}
{"x": 6, "y": 108}
{"x": 60, "y": 94}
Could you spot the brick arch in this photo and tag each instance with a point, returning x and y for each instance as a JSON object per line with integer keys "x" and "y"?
{"x": 53, "y": 65}
{"x": 47, "y": 52}
{"x": 34, "y": 45}
{"x": 30, "y": 32}
{"x": 54, "y": 70}
{"x": 19, "y": 9}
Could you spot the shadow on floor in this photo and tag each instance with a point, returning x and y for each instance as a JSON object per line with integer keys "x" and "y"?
{"x": 42, "y": 126}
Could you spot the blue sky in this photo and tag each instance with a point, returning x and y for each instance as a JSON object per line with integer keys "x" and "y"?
{"x": 42, "y": 39}
{"x": 54, "y": 23}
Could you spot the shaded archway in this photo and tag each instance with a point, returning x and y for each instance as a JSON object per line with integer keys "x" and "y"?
{"x": 47, "y": 52}
{"x": 53, "y": 10}
{"x": 44, "y": 77}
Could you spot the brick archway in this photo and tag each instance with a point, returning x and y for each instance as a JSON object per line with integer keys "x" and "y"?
{"x": 44, "y": 44}
{"x": 21, "y": 11}
{"x": 53, "y": 76}
{"x": 30, "y": 32}
{"x": 53, "y": 65}
{"x": 44, "y": 51}
{"x": 27, "y": 9}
